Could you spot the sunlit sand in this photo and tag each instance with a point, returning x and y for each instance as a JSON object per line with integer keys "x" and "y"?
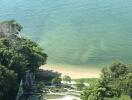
{"x": 73, "y": 71}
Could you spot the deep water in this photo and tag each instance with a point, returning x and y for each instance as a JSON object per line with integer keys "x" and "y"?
{"x": 76, "y": 32}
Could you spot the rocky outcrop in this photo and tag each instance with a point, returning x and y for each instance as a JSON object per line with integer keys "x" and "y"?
{"x": 9, "y": 28}
{"x": 28, "y": 88}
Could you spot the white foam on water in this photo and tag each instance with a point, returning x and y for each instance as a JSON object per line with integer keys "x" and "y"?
{"x": 67, "y": 97}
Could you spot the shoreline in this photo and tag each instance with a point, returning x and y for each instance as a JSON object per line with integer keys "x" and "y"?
{"x": 73, "y": 71}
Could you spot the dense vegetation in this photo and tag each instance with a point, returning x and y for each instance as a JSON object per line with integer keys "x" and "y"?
{"x": 46, "y": 76}
{"x": 67, "y": 78}
{"x": 16, "y": 56}
{"x": 115, "y": 84}
{"x": 90, "y": 81}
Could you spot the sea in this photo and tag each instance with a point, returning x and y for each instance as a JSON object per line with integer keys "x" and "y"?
{"x": 90, "y": 33}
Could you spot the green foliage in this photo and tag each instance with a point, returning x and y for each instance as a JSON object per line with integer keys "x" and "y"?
{"x": 21, "y": 54}
{"x": 80, "y": 85}
{"x": 126, "y": 84}
{"x": 91, "y": 81}
{"x": 93, "y": 93}
{"x": 123, "y": 97}
{"x": 40, "y": 85}
{"x": 16, "y": 56}
{"x": 8, "y": 83}
{"x": 46, "y": 75}
{"x": 67, "y": 78}
{"x": 115, "y": 81}
{"x": 56, "y": 81}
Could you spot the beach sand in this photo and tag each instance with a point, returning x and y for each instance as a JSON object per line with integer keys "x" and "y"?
{"x": 75, "y": 72}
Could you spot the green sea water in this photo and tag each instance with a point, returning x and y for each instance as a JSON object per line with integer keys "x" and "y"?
{"x": 76, "y": 32}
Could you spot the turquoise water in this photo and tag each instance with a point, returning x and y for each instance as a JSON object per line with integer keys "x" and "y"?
{"x": 76, "y": 32}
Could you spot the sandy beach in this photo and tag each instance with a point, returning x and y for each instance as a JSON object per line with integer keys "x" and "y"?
{"x": 73, "y": 71}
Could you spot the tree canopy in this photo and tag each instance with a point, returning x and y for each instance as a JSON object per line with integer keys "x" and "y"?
{"x": 8, "y": 83}
{"x": 115, "y": 82}
{"x": 56, "y": 81}
{"x": 16, "y": 56}
{"x": 67, "y": 78}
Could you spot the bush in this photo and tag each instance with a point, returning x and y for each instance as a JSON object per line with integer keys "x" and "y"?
{"x": 56, "y": 81}
{"x": 115, "y": 81}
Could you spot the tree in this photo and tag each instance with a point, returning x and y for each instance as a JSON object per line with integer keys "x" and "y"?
{"x": 111, "y": 78}
{"x": 126, "y": 85}
{"x": 46, "y": 75}
{"x": 115, "y": 82}
{"x": 67, "y": 78}
{"x": 80, "y": 85}
{"x": 92, "y": 93}
{"x": 40, "y": 85}
{"x": 21, "y": 55}
{"x": 8, "y": 83}
{"x": 17, "y": 55}
{"x": 56, "y": 81}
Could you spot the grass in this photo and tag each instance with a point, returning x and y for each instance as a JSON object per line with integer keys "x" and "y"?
{"x": 91, "y": 81}
{"x": 52, "y": 96}
{"x": 123, "y": 97}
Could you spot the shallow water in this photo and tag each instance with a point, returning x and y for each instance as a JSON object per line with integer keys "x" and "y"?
{"x": 76, "y": 32}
